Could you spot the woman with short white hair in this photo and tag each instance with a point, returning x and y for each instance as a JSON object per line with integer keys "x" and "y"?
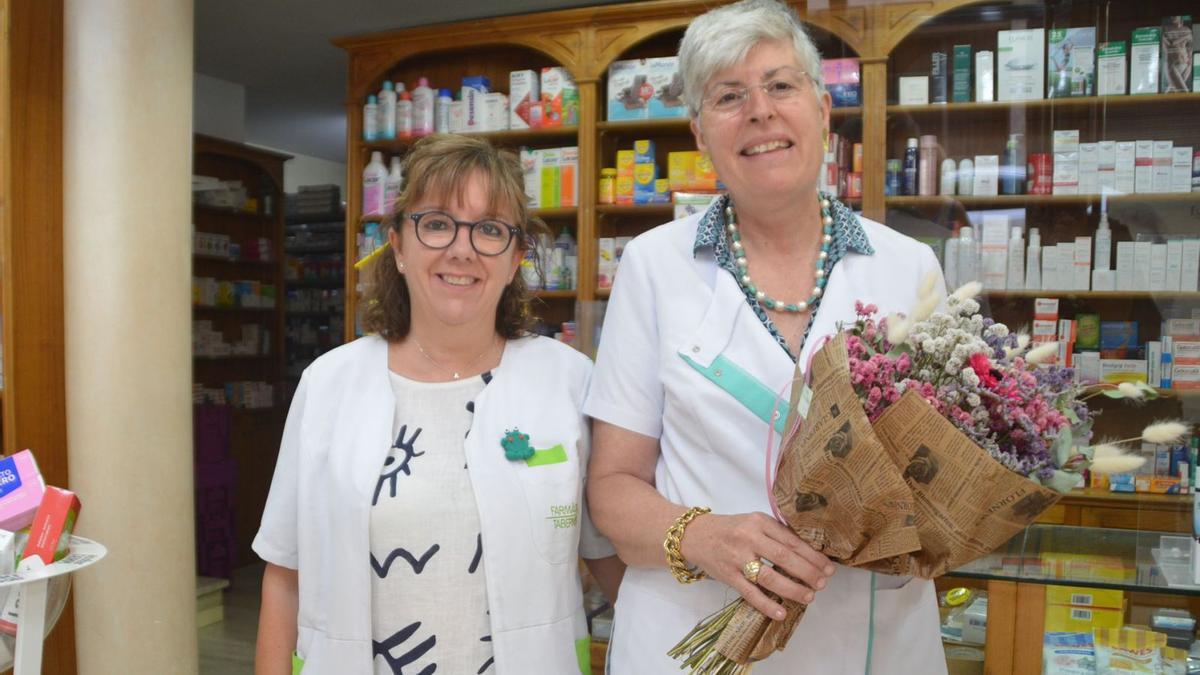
{"x": 707, "y": 321}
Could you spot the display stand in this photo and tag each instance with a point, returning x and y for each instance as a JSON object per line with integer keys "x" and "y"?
{"x": 33, "y": 580}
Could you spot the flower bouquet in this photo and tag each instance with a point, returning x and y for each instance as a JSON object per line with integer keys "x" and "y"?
{"x": 927, "y": 441}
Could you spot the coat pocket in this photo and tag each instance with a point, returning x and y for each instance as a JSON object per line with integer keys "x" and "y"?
{"x": 552, "y": 490}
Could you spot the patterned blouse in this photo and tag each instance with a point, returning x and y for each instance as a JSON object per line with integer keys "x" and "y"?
{"x": 848, "y": 235}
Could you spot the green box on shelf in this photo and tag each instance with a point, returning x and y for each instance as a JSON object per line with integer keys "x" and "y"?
{"x": 961, "y": 89}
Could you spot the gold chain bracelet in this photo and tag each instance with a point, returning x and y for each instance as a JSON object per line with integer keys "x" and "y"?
{"x": 679, "y": 567}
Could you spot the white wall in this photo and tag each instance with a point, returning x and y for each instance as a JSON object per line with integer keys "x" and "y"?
{"x": 219, "y": 109}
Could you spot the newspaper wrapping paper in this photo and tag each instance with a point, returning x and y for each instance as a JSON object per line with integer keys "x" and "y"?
{"x": 908, "y": 495}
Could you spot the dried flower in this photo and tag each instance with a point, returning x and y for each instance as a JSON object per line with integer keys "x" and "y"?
{"x": 897, "y": 328}
{"x": 1166, "y": 433}
{"x": 968, "y": 291}
{"x": 1042, "y": 353}
{"x": 1107, "y": 458}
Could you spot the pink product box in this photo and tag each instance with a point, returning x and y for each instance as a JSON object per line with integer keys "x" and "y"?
{"x": 21, "y": 490}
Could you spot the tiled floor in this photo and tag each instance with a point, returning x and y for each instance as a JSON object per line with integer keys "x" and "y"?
{"x": 227, "y": 648}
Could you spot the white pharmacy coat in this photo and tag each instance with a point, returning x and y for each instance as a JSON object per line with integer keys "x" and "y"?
{"x": 317, "y": 517}
{"x": 673, "y": 313}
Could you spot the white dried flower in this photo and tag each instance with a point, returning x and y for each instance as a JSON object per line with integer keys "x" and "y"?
{"x": 929, "y": 285}
{"x": 1042, "y": 353}
{"x": 967, "y": 291}
{"x": 1166, "y": 433}
{"x": 1111, "y": 459}
{"x": 1131, "y": 391}
{"x": 897, "y": 328}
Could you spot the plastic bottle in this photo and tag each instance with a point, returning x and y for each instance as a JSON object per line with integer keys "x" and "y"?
{"x": 404, "y": 114}
{"x": 966, "y": 177}
{"x": 951, "y": 266}
{"x": 607, "y": 193}
{"x": 949, "y": 168}
{"x": 910, "y": 167}
{"x": 1016, "y": 261}
{"x": 1102, "y": 258}
{"x": 387, "y": 112}
{"x": 422, "y": 101}
{"x": 374, "y": 179}
{"x": 968, "y": 256}
{"x": 927, "y": 183}
{"x": 391, "y": 189}
{"x": 441, "y": 111}
{"x": 371, "y": 119}
{"x": 1033, "y": 262}
{"x": 564, "y": 247}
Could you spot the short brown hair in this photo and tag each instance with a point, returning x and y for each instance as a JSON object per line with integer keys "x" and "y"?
{"x": 440, "y": 165}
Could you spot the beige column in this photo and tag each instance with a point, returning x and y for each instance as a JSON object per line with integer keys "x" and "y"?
{"x": 127, "y": 161}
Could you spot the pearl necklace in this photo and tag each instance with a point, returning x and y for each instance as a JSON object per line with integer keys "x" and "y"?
{"x": 765, "y": 300}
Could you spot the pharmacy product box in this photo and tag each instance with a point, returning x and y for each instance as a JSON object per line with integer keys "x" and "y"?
{"x": 625, "y": 163}
{"x": 1181, "y": 168}
{"x": 1115, "y": 371}
{"x": 667, "y": 82}
{"x": 1069, "y": 619}
{"x": 938, "y": 77}
{"x": 1175, "y": 60}
{"x": 681, "y": 170}
{"x": 495, "y": 112}
{"x": 1181, "y": 328}
{"x": 644, "y": 176}
{"x": 706, "y": 174}
{"x": 1071, "y": 69}
{"x": 842, "y": 81}
{"x": 1161, "y": 174}
{"x": 560, "y": 98}
{"x": 625, "y": 190}
{"x": 1111, "y": 69}
{"x": 472, "y": 104}
{"x": 21, "y": 490}
{"x": 531, "y": 166}
{"x": 662, "y": 191}
{"x": 551, "y": 178}
{"x": 1020, "y": 67}
{"x": 50, "y": 533}
{"x": 568, "y": 163}
{"x": 524, "y": 90}
{"x": 629, "y": 90}
{"x": 914, "y": 90}
{"x": 1185, "y": 377}
{"x": 1143, "y": 61}
{"x": 1085, "y": 597}
{"x": 643, "y": 152}
{"x": 960, "y": 88}
{"x": 1143, "y": 171}
{"x": 688, "y": 203}
{"x": 1125, "y": 169}
{"x": 1118, "y": 337}
{"x": 606, "y": 265}
{"x": 985, "y": 76}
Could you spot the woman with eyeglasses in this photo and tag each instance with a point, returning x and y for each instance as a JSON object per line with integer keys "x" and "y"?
{"x": 426, "y": 511}
{"x": 706, "y": 324}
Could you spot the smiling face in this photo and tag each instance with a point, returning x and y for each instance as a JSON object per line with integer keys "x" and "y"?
{"x": 454, "y": 287}
{"x": 770, "y": 148}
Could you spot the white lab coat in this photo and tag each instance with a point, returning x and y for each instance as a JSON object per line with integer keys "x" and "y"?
{"x": 336, "y": 439}
{"x": 668, "y": 303}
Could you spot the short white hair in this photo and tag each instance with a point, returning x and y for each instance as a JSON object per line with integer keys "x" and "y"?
{"x": 724, "y": 36}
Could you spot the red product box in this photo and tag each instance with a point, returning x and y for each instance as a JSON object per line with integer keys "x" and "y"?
{"x": 50, "y": 534}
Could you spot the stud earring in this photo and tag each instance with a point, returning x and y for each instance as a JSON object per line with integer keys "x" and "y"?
{"x": 825, "y": 140}
{"x": 400, "y": 266}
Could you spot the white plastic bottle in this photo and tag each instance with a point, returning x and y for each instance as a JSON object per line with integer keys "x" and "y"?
{"x": 371, "y": 119}
{"x": 422, "y": 101}
{"x": 441, "y": 111}
{"x": 374, "y": 179}
{"x": 404, "y": 114}
{"x": 387, "y": 112}
{"x": 949, "y": 169}
{"x": 966, "y": 177}
{"x": 1015, "y": 280}
{"x": 564, "y": 248}
{"x": 391, "y": 187}
{"x": 1103, "y": 255}
{"x": 1033, "y": 262}
{"x": 951, "y": 263}
{"x": 968, "y": 256}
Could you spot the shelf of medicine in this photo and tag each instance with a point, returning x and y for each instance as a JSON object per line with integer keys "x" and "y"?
{"x": 556, "y": 212}
{"x": 507, "y": 138}
{"x": 663, "y": 210}
{"x": 1083, "y": 103}
{"x": 556, "y": 295}
{"x": 314, "y": 283}
{"x": 231, "y": 261}
{"x": 1041, "y": 200}
{"x": 1093, "y": 295}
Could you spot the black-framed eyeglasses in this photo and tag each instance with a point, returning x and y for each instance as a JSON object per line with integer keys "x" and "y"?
{"x": 438, "y": 230}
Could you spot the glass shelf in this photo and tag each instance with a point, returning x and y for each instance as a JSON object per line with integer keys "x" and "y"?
{"x": 1130, "y": 560}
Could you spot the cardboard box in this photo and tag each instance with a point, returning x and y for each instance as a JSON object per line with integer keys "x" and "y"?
{"x": 644, "y": 176}
{"x": 1123, "y": 370}
{"x": 560, "y": 98}
{"x": 1143, "y": 60}
{"x": 985, "y": 76}
{"x": 1161, "y": 176}
{"x": 938, "y": 77}
{"x": 524, "y": 90}
{"x": 1126, "y": 163}
{"x": 1111, "y": 68}
{"x": 495, "y": 112}
{"x": 21, "y": 490}
{"x": 914, "y": 90}
{"x": 1189, "y": 265}
{"x": 606, "y": 263}
{"x": 961, "y": 74}
{"x": 1158, "y": 267}
{"x": 843, "y": 81}
{"x": 1071, "y": 68}
{"x": 1141, "y": 265}
{"x": 569, "y": 176}
{"x": 643, "y": 152}
{"x": 1020, "y": 66}
{"x": 1176, "y": 55}
{"x": 1181, "y": 168}
{"x": 1089, "y": 168}
{"x": 1106, "y": 165}
{"x": 664, "y": 77}
{"x": 987, "y": 175}
{"x": 1078, "y": 596}
{"x": 1174, "y": 266}
{"x": 1144, "y": 166}
{"x": 1070, "y": 619}
{"x": 551, "y": 175}
{"x": 629, "y": 90}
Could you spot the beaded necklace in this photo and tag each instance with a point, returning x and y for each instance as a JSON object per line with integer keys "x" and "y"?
{"x": 820, "y": 276}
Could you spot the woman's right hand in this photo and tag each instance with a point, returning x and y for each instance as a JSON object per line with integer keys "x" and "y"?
{"x": 722, "y": 544}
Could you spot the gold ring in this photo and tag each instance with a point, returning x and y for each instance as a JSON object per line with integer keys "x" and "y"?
{"x": 751, "y": 570}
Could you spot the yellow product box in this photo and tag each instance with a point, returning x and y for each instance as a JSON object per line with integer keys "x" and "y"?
{"x": 706, "y": 173}
{"x": 1156, "y": 484}
{"x": 1085, "y": 597}
{"x": 625, "y": 163}
{"x": 681, "y": 170}
{"x": 1071, "y": 619}
{"x": 625, "y": 189}
{"x": 643, "y": 152}
{"x": 644, "y": 176}
{"x": 551, "y": 196}
{"x": 1098, "y": 480}
{"x": 662, "y": 191}
{"x": 1085, "y": 566}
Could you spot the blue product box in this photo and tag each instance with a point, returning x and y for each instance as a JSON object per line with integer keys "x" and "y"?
{"x": 1118, "y": 336}
{"x": 664, "y": 76}
{"x": 643, "y": 153}
{"x": 842, "y": 81}
{"x": 629, "y": 90}
{"x": 1121, "y": 482}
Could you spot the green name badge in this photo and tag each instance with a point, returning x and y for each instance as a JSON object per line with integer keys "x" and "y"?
{"x": 555, "y": 455}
